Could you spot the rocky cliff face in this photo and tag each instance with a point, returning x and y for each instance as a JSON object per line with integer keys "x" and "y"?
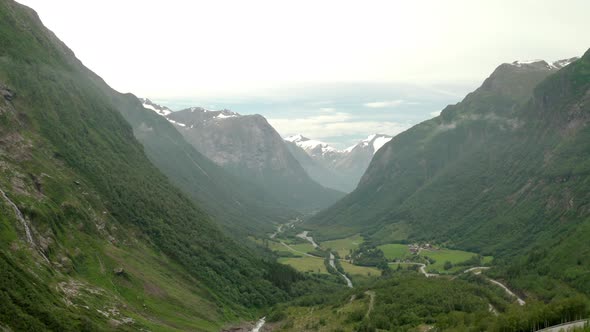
{"x": 248, "y": 147}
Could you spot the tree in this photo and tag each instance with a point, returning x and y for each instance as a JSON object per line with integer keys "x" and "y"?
{"x": 448, "y": 265}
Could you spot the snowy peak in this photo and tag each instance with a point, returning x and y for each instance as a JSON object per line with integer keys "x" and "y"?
{"x": 212, "y": 114}
{"x": 296, "y": 138}
{"x": 161, "y": 110}
{"x": 312, "y": 147}
{"x": 562, "y": 63}
{"x": 538, "y": 63}
{"x": 192, "y": 117}
{"x": 374, "y": 142}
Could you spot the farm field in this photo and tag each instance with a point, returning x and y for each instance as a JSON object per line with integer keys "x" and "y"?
{"x": 355, "y": 270}
{"x": 395, "y": 251}
{"x": 305, "y": 264}
{"x": 453, "y": 256}
{"x": 343, "y": 246}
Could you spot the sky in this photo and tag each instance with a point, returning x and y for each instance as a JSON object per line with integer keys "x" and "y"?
{"x": 331, "y": 70}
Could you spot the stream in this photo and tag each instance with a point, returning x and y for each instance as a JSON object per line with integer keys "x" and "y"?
{"x": 332, "y": 264}
{"x": 20, "y": 217}
{"x": 303, "y": 235}
{"x": 259, "y": 324}
{"x": 23, "y": 221}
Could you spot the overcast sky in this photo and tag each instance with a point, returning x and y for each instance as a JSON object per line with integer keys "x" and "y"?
{"x": 236, "y": 53}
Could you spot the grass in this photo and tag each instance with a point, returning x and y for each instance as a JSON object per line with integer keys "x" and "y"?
{"x": 305, "y": 264}
{"x": 395, "y": 251}
{"x": 326, "y": 318}
{"x": 355, "y": 270}
{"x": 302, "y": 247}
{"x": 444, "y": 255}
{"x": 343, "y": 246}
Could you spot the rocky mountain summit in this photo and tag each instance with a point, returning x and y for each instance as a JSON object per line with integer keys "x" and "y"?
{"x": 249, "y": 147}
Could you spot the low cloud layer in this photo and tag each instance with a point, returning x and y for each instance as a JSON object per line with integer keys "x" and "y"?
{"x": 333, "y": 127}
{"x": 383, "y": 104}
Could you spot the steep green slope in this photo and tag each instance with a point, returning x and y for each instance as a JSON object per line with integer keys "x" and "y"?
{"x": 110, "y": 237}
{"x": 417, "y": 157}
{"x": 242, "y": 207}
{"x": 499, "y": 173}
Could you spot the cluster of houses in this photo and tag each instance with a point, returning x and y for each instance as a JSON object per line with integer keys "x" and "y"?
{"x": 415, "y": 248}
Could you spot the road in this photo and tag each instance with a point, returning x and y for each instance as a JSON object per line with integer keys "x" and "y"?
{"x": 422, "y": 269}
{"x": 566, "y": 326}
{"x": 478, "y": 270}
{"x": 508, "y": 291}
{"x": 297, "y": 251}
{"x": 371, "y": 302}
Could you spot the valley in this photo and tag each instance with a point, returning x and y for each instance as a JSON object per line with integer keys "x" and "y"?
{"x": 119, "y": 213}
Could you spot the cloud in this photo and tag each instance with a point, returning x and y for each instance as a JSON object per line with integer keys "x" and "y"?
{"x": 330, "y": 127}
{"x": 383, "y": 104}
{"x": 435, "y": 113}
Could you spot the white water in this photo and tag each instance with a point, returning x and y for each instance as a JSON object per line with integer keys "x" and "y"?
{"x": 332, "y": 264}
{"x": 259, "y": 324}
{"x": 304, "y": 236}
{"x": 20, "y": 217}
{"x": 24, "y": 222}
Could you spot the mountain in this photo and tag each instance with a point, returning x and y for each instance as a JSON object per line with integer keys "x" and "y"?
{"x": 338, "y": 169}
{"x": 159, "y": 109}
{"x": 504, "y": 172}
{"x": 357, "y": 157}
{"x": 93, "y": 235}
{"x": 240, "y": 206}
{"x": 250, "y": 149}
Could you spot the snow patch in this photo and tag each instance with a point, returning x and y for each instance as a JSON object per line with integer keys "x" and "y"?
{"x": 551, "y": 65}
{"x": 310, "y": 144}
{"x": 161, "y": 110}
{"x": 226, "y": 114}
{"x": 177, "y": 123}
{"x": 376, "y": 140}
{"x": 379, "y": 142}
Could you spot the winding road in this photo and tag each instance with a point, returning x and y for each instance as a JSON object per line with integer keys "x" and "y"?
{"x": 567, "y": 326}
{"x": 478, "y": 269}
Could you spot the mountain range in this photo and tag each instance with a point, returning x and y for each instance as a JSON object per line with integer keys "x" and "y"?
{"x": 250, "y": 149}
{"x": 333, "y": 168}
{"x": 248, "y": 142}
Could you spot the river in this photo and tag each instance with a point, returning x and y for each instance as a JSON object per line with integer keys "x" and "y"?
{"x": 259, "y": 324}
{"x": 332, "y": 264}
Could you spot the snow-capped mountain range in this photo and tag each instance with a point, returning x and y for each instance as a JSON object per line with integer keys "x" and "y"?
{"x": 161, "y": 110}
{"x": 539, "y": 62}
{"x": 315, "y": 147}
{"x": 247, "y": 142}
{"x": 248, "y": 147}
{"x": 338, "y": 169}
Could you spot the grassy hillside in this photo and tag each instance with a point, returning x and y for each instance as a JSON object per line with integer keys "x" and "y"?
{"x": 405, "y": 301}
{"x": 112, "y": 242}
